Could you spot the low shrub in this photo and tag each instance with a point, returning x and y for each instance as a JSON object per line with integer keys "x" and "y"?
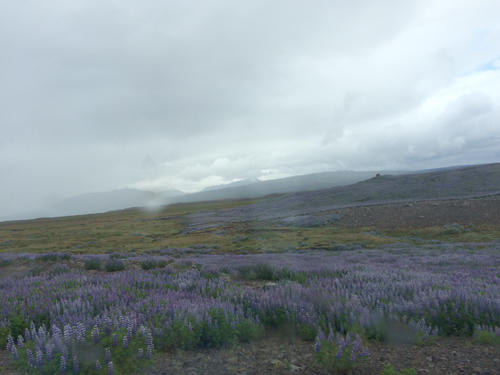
{"x": 113, "y": 265}
{"x": 59, "y": 269}
{"x": 390, "y": 370}
{"x": 306, "y": 332}
{"x": 4, "y": 333}
{"x": 452, "y": 229}
{"x": 339, "y": 355}
{"x": 150, "y": 264}
{"x": 93, "y": 263}
{"x": 487, "y": 337}
{"x": 54, "y": 257}
{"x": 5, "y": 262}
{"x": 268, "y": 273}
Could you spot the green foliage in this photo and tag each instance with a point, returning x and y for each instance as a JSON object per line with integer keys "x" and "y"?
{"x": 275, "y": 318}
{"x": 59, "y": 270}
{"x": 486, "y": 337}
{"x": 113, "y": 265}
{"x": 53, "y": 257}
{"x": 151, "y": 264}
{"x": 307, "y": 332}
{"x": 390, "y": 370}
{"x": 247, "y": 331}
{"x": 189, "y": 334}
{"x": 256, "y": 272}
{"x": 377, "y": 331}
{"x": 17, "y": 325}
{"x": 210, "y": 275}
{"x": 337, "y": 359}
{"x": 452, "y": 229}
{"x": 4, "y": 333}
{"x": 125, "y": 360}
{"x": 5, "y": 262}
{"x": 451, "y": 321}
{"x": 93, "y": 264}
{"x": 267, "y": 273}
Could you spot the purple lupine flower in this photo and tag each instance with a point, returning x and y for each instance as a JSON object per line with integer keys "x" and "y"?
{"x": 49, "y": 348}
{"x": 125, "y": 342}
{"x": 31, "y": 360}
{"x": 149, "y": 351}
{"x": 63, "y": 364}
{"x": 107, "y": 326}
{"x": 10, "y": 343}
{"x": 321, "y": 335}
{"x": 339, "y": 353}
{"x": 365, "y": 353}
{"x": 107, "y": 355}
{"x": 80, "y": 328}
{"x": 76, "y": 367}
{"x": 330, "y": 334}
{"x": 67, "y": 333}
{"x": 39, "y": 357}
{"x": 317, "y": 346}
{"x": 98, "y": 365}
{"x": 114, "y": 340}
{"x": 110, "y": 368}
{"x": 140, "y": 353}
{"x": 95, "y": 334}
{"x": 14, "y": 353}
{"x": 357, "y": 343}
{"x": 20, "y": 342}
{"x": 149, "y": 340}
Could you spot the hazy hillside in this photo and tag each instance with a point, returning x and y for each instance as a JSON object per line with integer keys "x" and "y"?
{"x": 453, "y": 182}
{"x": 244, "y": 182}
{"x": 110, "y": 200}
{"x": 448, "y": 183}
{"x": 308, "y": 182}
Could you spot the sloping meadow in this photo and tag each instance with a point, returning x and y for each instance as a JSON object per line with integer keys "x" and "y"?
{"x": 103, "y": 322}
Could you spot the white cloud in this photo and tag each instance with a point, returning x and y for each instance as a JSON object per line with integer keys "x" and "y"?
{"x": 101, "y": 94}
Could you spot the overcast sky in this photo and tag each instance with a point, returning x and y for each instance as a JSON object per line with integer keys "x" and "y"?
{"x": 100, "y": 94}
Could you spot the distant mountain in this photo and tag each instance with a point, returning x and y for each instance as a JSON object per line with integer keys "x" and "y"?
{"x": 244, "y": 182}
{"x": 446, "y": 183}
{"x": 109, "y": 201}
{"x": 257, "y": 189}
{"x": 469, "y": 181}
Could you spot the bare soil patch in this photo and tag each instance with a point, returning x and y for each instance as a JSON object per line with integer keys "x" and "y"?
{"x": 481, "y": 211}
{"x": 280, "y": 355}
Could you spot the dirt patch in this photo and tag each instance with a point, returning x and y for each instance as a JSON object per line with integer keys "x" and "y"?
{"x": 279, "y": 355}
{"x": 423, "y": 214}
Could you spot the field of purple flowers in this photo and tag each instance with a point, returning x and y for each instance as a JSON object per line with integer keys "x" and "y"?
{"x": 74, "y": 317}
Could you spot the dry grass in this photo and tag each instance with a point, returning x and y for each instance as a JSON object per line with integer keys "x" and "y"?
{"x": 138, "y": 230}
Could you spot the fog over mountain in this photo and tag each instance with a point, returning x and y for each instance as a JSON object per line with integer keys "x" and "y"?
{"x": 100, "y": 96}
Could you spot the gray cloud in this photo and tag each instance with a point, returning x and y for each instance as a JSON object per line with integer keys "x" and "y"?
{"x": 97, "y": 95}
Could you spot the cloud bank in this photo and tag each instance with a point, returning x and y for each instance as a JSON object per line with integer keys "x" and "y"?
{"x": 98, "y": 95}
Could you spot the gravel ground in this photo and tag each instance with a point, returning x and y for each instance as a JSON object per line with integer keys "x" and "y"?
{"x": 279, "y": 355}
{"x": 480, "y": 211}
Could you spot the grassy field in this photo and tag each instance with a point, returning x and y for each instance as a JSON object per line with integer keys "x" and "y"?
{"x": 179, "y": 286}
{"x": 136, "y": 230}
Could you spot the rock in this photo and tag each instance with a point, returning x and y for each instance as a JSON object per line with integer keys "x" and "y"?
{"x": 294, "y": 368}
{"x": 276, "y": 363}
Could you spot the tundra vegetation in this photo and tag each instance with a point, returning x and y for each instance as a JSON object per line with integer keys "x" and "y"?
{"x": 104, "y": 294}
